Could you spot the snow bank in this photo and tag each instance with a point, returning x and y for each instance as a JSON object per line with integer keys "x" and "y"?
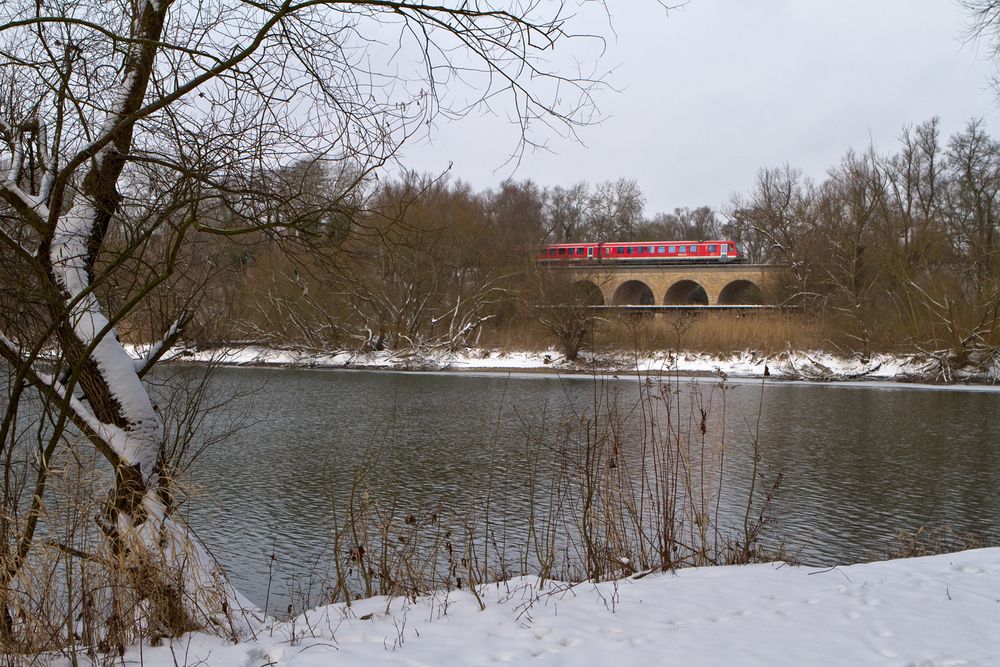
{"x": 938, "y": 610}
{"x": 790, "y": 365}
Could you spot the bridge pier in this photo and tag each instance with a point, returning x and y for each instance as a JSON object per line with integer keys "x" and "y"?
{"x": 678, "y": 285}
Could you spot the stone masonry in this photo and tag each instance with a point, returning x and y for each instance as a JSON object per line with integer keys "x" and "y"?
{"x": 707, "y": 285}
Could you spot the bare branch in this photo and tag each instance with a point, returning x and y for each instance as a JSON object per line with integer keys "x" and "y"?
{"x": 158, "y": 349}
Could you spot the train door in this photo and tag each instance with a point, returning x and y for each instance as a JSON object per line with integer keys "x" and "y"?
{"x": 725, "y": 251}
{"x": 590, "y": 252}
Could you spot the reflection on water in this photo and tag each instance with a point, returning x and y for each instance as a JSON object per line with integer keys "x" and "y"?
{"x": 860, "y": 464}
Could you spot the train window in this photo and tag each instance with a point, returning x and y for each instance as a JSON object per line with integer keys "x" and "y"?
{"x": 630, "y": 249}
{"x": 562, "y": 251}
{"x": 652, "y": 248}
{"x": 682, "y": 248}
{"x": 672, "y": 249}
{"x": 662, "y": 249}
{"x": 552, "y": 251}
{"x": 579, "y": 251}
{"x": 641, "y": 249}
{"x": 712, "y": 248}
{"x": 693, "y": 248}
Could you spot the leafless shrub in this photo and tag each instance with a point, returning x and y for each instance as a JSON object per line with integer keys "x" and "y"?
{"x": 607, "y": 500}
{"x": 68, "y": 590}
{"x": 931, "y": 540}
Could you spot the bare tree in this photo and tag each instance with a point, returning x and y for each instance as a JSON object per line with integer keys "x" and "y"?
{"x": 683, "y": 223}
{"x": 901, "y": 246}
{"x": 566, "y": 211}
{"x": 566, "y": 308}
{"x": 516, "y": 215}
{"x": 984, "y": 25}
{"x": 777, "y": 223}
{"x": 849, "y": 261}
{"x": 614, "y": 210}
{"x": 916, "y": 179}
{"x": 428, "y": 279}
{"x": 128, "y": 130}
{"x": 974, "y": 202}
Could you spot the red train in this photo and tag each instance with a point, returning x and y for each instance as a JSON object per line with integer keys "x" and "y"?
{"x": 643, "y": 252}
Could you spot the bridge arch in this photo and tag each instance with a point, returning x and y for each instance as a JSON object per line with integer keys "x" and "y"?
{"x": 587, "y": 293}
{"x": 741, "y": 293}
{"x": 633, "y": 293}
{"x": 686, "y": 293}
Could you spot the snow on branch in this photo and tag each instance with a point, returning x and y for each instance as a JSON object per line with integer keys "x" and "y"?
{"x": 32, "y": 208}
{"x": 158, "y": 349}
{"x": 107, "y": 438}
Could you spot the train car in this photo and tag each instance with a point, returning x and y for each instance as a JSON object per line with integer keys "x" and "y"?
{"x": 643, "y": 252}
{"x": 570, "y": 252}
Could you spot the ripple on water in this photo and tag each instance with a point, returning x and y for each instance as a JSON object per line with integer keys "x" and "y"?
{"x": 859, "y": 464}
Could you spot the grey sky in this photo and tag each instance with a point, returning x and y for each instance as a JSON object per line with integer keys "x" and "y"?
{"x": 719, "y": 88}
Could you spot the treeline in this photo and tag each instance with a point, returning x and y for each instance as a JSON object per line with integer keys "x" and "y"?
{"x": 901, "y": 245}
{"x": 417, "y": 261}
{"x": 894, "y": 250}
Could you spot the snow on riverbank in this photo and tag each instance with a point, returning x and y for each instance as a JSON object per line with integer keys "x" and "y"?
{"x": 938, "y": 610}
{"x": 749, "y": 364}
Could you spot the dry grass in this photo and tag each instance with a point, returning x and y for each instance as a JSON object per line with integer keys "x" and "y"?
{"x": 626, "y": 488}
{"x": 66, "y": 588}
{"x": 516, "y": 335}
{"x": 931, "y": 540}
{"x": 73, "y": 596}
{"x": 717, "y": 332}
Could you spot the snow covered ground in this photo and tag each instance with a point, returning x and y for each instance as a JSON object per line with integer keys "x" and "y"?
{"x": 791, "y": 365}
{"x": 937, "y": 610}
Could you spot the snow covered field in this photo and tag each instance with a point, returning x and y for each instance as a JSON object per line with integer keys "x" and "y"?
{"x": 791, "y": 365}
{"x": 937, "y": 610}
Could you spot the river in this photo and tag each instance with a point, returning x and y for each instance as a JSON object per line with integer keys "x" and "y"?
{"x": 860, "y": 463}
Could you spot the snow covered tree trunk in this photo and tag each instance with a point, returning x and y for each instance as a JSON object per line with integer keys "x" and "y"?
{"x": 125, "y": 126}
{"x": 180, "y": 585}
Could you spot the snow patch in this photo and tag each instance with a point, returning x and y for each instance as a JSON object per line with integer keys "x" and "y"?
{"x": 789, "y": 365}
{"x": 935, "y": 610}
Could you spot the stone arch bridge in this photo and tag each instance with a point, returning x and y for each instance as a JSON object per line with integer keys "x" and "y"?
{"x": 676, "y": 285}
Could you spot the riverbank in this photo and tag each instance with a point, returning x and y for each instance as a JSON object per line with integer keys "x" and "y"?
{"x": 788, "y": 365}
{"x": 936, "y": 610}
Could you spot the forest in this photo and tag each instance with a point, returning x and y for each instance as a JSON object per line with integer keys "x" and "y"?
{"x": 889, "y": 251}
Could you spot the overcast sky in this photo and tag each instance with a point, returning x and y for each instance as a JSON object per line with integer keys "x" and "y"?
{"x": 717, "y": 89}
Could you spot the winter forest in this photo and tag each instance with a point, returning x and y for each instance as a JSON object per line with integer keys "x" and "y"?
{"x": 893, "y": 251}
{"x": 182, "y": 174}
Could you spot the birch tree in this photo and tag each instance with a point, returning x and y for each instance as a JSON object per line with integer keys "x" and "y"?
{"x": 129, "y": 129}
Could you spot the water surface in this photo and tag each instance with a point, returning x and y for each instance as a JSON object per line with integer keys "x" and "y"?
{"x": 860, "y": 463}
